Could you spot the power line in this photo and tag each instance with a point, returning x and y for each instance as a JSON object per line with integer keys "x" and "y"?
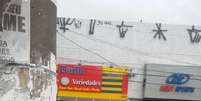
{"x": 126, "y": 64}
{"x": 162, "y": 53}
{"x": 143, "y": 82}
{"x": 130, "y": 67}
{"x": 147, "y": 74}
{"x": 153, "y": 83}
{"x": 88, "y": 50}
{"x": 27, "y": 66}
{"x": 127, "y": 48}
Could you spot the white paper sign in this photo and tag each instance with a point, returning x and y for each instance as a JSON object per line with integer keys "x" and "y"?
{"x": 14, "y": 31}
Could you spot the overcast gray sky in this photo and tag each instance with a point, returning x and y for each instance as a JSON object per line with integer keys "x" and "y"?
{"x": 165, "y": 11}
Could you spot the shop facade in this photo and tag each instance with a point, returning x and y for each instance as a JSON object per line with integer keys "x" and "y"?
{"x": 131, "y": 45}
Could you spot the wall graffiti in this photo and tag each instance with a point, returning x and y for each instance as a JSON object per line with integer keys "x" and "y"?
{"x": 92, "y": 26}
{"x": 194, "y": 35}
{"x": 109, "y": 23}
{"x": 64, "y": 23}
{"x": 159, "y": 32}
{"x": 123, "y": 29}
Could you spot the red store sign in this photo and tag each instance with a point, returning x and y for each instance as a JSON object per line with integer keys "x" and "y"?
{"x": 79, "y": 78}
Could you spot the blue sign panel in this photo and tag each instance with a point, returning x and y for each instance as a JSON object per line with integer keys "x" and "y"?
{"x": 175, "y": 83}
{"x": 178, "y": 78}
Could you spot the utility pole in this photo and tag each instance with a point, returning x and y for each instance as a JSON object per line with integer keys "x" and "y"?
{"x": 35, "y": 77}
{"x": 43, "y": 30}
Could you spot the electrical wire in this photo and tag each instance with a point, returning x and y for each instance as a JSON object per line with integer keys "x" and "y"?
{"x": 23, "y": 65}
{"x": 153, "y": 83}
{"x": 145, "y": 75}
{"x": 104, "y": 57}
{"x": 126, "y": 64}
{"x": 88, "y": 50}
{"x": 127, "y": 48}
{"x": 142, "y": 82}
{"x": 111, "y": 63}
{"x": 130, "y": 68}
{"x": 165, "y": 53}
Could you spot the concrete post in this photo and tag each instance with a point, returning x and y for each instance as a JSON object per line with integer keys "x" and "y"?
{"x": 35, "y": 81}
{"x": 43, "y": 30}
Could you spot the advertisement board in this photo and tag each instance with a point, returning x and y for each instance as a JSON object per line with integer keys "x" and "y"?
{"x": 79, "y": 78}
{"x": 172, "y": 82}
{"x": 95, "y": 82}
{"x": 14, "y": 31}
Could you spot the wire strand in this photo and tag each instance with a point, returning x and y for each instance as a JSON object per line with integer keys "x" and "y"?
{"x": 127, "y": 48}
{"x": 88, "y": 50}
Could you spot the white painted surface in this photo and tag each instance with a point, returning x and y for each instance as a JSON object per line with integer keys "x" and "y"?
{"x": 136, "y": 49}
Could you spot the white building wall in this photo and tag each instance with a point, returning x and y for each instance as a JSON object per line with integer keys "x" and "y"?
{"x": 137, "y": 48}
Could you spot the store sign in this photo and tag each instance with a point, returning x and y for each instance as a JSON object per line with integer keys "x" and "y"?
{"x": 175, "y": 83}
{"x": 79, "y": 78}
{"x": 97, "y": 82}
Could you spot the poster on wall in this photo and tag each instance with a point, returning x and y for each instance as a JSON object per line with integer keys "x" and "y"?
{"x": 95, "y": 82}
{"x": 14, "y": 31}
{"x": 172, "y": 82}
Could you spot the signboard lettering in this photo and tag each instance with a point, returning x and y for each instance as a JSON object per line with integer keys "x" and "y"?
{"x": 97, "y": 82}
{"x": 159, "y": 31}
{"x": 11, "y": 19}
{"x": 174, "y": 83}
{"x": 14, "y": 31}
{"x": 194, "y": 35}
{"x": 75, "y": 70}
{"x": 79, "y": 78}
{"x": 123, "y": 29}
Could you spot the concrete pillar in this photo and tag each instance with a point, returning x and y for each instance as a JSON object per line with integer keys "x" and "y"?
{"x": 28, "y": 82}
{"x": 43, "y": 30}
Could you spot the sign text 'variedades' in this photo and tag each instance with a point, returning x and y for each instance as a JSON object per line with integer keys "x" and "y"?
{"x": 11, "y": 19}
